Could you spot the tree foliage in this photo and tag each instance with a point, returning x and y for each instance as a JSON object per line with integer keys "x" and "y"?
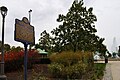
{"x": 16, "y": 49}
{"x": 45, "y": 42}
{"x": 6, "y": 47}
{"x": 77, "y": 31}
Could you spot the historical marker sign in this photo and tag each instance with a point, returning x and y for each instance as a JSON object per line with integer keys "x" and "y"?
{"x": 24, "y": 32}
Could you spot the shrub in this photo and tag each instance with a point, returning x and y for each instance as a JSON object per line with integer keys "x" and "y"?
{"x": 38, "y": 76}
{"x": 66, "y": 58}
{"x": 74, "y": 71}
{"x": 71, "y": 64}
{"x": 56, "y": 69}
{"x": 15, "y": 60}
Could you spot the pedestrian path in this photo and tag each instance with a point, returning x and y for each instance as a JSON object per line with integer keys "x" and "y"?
{"x": 112, "y": 71}
{"x": 108, "y": 73}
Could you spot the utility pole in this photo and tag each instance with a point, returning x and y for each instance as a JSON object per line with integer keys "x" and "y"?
{"x": 30, "y": 23}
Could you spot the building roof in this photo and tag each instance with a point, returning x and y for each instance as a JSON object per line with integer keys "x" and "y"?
{"x": 42, "y": 51}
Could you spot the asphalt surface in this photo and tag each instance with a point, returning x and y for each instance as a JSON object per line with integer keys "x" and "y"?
{"x": 112, "y": 71}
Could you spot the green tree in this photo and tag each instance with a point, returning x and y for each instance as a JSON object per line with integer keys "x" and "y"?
{"x": 6, "y": 47}
{"x": 37, "y": 46}
{"x": 45, "y": 41}
{"x": 78, "y": 29}
{"x": 16, "y": 49}
{"x": 76, "y": 32}
{"x": 119, "y": 51}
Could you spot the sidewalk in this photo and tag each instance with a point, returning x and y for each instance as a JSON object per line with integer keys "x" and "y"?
{"x": 112, "y": 71}
{"x": 108, "y": 73}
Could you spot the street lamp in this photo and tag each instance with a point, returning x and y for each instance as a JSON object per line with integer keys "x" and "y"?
{"x": 3, "y": 11}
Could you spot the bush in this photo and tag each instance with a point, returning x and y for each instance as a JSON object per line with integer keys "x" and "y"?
{"x": 71, "y": 65}
{"x": 38, "y": 76}
{"x": 75, "y": 71}
{"x": 56, "y": 69}
{"x": 15, "y": 60}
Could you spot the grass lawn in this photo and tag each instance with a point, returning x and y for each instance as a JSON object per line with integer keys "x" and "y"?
{"x": 99, "y": 70}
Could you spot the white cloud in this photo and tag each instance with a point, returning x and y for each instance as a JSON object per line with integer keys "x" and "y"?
{"x": 107, "y": 12}
{"x": 45, "y": 13}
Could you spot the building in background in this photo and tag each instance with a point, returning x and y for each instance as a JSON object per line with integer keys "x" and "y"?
{"x": 114, "y": 49}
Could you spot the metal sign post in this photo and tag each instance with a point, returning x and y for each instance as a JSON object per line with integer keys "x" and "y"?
{"x": 24, "y": 33}
{"x": 25, "y": 61}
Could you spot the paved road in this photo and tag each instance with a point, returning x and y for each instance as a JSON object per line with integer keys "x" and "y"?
{"x": 112, "y": 71}
{"x": 115, "y": 69}
{"x": 108, "y": 73}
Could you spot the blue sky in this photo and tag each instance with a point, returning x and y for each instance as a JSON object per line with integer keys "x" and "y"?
{"x": 45, "y": 12}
